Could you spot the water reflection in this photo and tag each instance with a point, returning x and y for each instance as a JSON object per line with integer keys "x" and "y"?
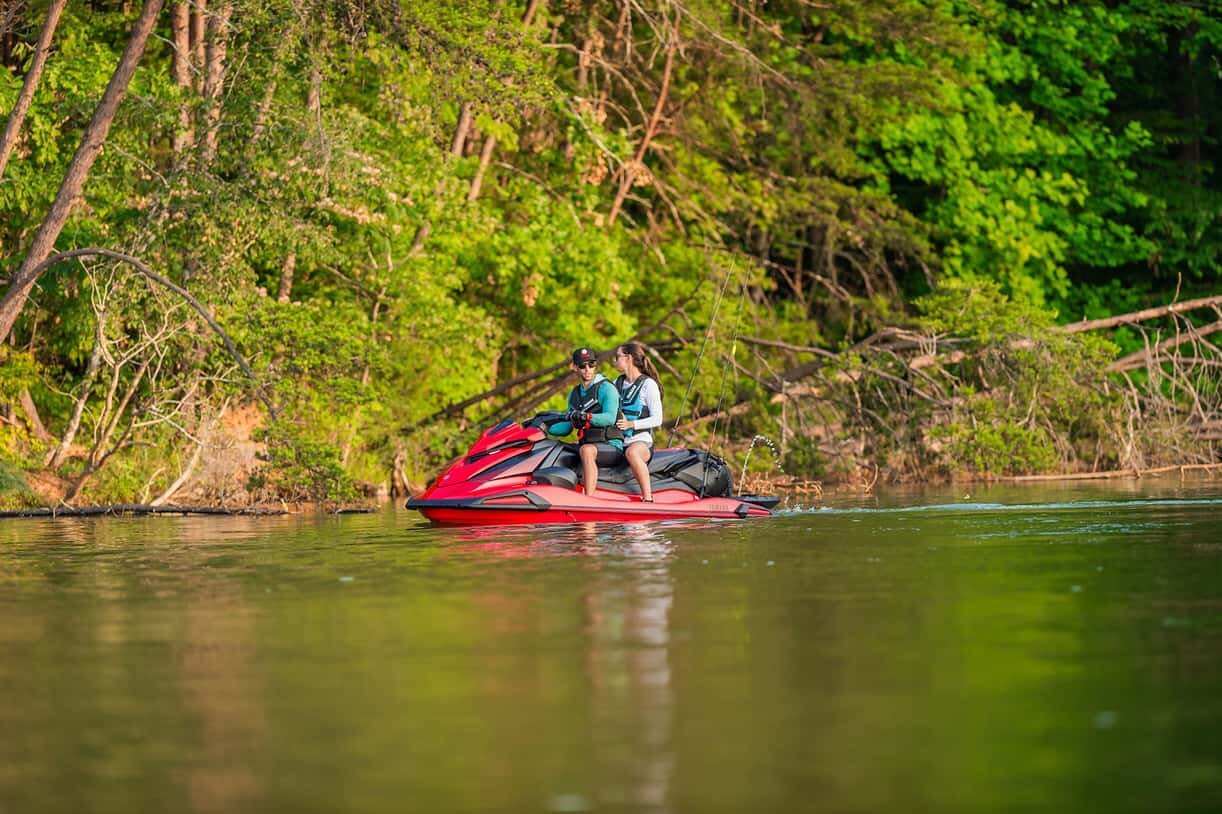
{"x": 142, "y": 656}
{"x": 626, "y": 605}
{"x": 1049, "y": 656}
{"x": 628, "y": 664}
{"x": 220, "y": 688}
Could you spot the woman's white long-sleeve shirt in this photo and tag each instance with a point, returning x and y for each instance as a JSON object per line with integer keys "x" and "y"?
{"x": 651, "y": 397}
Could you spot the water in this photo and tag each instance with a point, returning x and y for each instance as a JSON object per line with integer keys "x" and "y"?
{"x": 1024, "y": 650}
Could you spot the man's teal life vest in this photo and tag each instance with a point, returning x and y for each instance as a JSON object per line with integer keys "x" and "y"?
{"x": 587, "y": 401}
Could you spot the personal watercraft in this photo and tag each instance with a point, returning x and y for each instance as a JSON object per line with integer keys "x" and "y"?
{"x": 514, "y": 473}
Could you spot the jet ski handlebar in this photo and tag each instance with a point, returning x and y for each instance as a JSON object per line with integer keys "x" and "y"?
{"x": 545, "y": 419}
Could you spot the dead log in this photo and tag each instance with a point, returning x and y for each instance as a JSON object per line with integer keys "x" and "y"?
{"x": 1115, "y": 473}
{"x": 1148, "y": 355}
{"x": 129, "y": 509}
{"x": 1142, "y": 316}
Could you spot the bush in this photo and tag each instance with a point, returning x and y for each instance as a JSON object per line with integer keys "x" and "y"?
{"x": 994, "y": 443}
{"x": 15, "y": 491}
{"x": 300, "y": 469}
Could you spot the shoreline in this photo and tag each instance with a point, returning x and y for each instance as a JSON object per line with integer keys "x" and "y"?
{"x": 788, "y": 485}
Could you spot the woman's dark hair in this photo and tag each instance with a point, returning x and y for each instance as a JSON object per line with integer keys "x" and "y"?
{"x": 640, "y": 357}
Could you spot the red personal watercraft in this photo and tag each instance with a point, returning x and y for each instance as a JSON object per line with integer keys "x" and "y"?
{"x": 514, "y": 473}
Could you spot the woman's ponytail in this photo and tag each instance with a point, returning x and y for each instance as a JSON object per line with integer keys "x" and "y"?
{"x": 640, "y": 357}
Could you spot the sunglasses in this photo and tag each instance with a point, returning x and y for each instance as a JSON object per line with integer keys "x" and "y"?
{"x": 588, "y": 365}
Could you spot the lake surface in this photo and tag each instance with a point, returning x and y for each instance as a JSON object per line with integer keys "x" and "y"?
{"x": 1033, "y": 649}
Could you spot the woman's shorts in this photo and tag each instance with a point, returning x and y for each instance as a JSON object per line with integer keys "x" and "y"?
{"x": 608, "y": 455}
{"x": 646, "y": 443}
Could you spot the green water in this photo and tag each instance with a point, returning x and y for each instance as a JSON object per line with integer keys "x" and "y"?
{"x": 1024, "y": 650}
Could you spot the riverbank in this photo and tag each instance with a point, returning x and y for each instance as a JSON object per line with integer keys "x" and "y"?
{"x": 793, "y": 489}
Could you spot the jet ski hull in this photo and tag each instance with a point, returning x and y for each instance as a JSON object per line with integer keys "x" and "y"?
{"x": 542, "y": 503}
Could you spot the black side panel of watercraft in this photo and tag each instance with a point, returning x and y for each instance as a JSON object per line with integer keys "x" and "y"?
{"x": 521, "y": 464}
{"x": 707, "y": 475}
{"x": 561, "y": 454}
{"x": 556, "y": 476}
{"x": 519, "y": 499}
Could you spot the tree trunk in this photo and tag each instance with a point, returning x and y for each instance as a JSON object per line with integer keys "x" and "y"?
{"x": 22, "y": 106}
{"x": 60, "y": 453}
{"x": 1141, "y": 316}
{"x": 489, "y": 148}
{"x": 485, "y": 158}
{"x": 263, "y": 109}
{"x": 628, "y": 171}
{"x": 74, "y": 180}
{"x": 32, "y": 419}
{"x": 286, "y": 278}
{"x": 10, "y": 17}
{"x": 180, "y": 70}
{"x": 214, "y": 80}
{"x": 460, "y": 131}
{"x": 199, "y": 33}
{"x": 456, "y": 149}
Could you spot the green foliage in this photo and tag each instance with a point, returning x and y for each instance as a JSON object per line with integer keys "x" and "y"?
{"x": 990, "y": 441}
{"x": 1030, "y": 174}
{"x": 832, "y": 163}
{"x": 18, "y": 371}
{"x": 15, "y": 491}
{"x": 804, "y": 458}
{"x": 299, "y": 468}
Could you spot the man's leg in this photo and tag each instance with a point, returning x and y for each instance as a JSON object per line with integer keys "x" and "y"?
{"x": 589, "y": 466}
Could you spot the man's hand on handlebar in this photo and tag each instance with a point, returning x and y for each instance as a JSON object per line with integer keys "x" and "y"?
{"x": 578, "y": 418}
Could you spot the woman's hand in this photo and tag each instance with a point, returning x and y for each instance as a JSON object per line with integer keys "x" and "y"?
{"x": 623, "y": 424}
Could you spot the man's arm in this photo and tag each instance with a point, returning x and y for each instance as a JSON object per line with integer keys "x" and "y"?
{"x": 608, "y": 405}
{"x": 562, "y": 428}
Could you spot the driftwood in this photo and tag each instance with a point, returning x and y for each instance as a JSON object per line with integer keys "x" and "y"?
{"x": 894, "y": 340}
{"x": 1147, "y": 355}
{"x": 937, "y": 353}
{"x": 133, "y": 509}
{"x": 1115, "y": 473}
{"x": 1142, "y": 316}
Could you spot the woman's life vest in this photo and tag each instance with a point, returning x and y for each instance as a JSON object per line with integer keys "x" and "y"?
{"x": 587, "y": 402}
{"x": 631, "y": 405}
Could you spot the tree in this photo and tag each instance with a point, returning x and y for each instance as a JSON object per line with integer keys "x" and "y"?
{"x": 78, "y": 170}
{"x": 12, "y": 129}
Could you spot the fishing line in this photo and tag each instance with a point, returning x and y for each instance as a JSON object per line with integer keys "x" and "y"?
{"x": 699, "y": 356}
{"x": 742, "y": 299}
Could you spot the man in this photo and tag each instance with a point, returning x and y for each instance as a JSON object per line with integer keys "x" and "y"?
{"x": 593, "y": 410}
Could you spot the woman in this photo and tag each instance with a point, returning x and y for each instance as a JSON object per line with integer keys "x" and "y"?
{"x": 641, "y": 410}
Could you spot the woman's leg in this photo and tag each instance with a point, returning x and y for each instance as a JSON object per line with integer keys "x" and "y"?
{"x": 638, "y": 460}
{"x": 589, "y": 466}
